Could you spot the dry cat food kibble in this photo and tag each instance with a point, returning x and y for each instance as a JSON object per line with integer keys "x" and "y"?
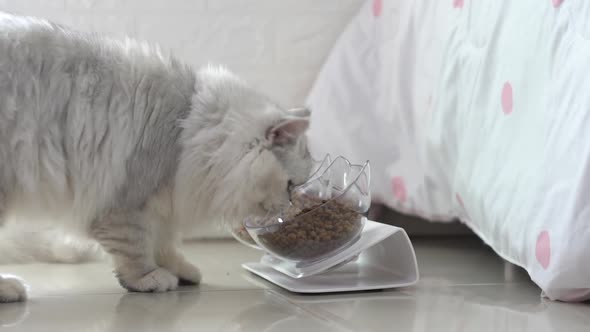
{"x": 313, "y": 231}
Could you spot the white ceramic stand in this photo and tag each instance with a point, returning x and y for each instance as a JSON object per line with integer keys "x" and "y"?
{"x": 386, "y": 259}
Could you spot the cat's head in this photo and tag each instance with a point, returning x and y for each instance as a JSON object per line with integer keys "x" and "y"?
{"x": 241, "y": 152}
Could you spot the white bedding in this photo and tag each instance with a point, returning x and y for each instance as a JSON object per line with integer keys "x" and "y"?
{"x": 478, "y": 110}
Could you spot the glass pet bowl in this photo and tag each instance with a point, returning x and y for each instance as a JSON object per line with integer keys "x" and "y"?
{"x": 325, "y": 215}
{"x": 241, "y": 234}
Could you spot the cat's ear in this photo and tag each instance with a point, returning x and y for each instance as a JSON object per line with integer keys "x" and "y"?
{"x": 301, "y": 112}
{"x": 287, "y": 131}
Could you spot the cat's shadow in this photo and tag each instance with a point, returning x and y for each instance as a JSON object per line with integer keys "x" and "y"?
{"x": 152, "y": 312}
{"x": 12, "y": 314}
{"x": 132, "y": 312}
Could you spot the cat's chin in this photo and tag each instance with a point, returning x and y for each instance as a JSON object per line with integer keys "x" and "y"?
{"x": 269, "y": 210}
{"x": 260, "y": 211}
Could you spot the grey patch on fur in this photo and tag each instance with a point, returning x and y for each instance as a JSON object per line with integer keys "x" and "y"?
{"x": 154, "y": 159}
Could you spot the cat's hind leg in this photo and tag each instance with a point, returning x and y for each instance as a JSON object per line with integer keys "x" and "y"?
{"x": 12, "y": 290}
{"x": 128, "y": 237}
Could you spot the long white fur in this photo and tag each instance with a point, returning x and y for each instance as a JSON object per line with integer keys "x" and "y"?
{"x": 116, "y": 141}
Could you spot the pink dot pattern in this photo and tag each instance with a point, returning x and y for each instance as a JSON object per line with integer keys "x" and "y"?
{"x": 507, "y": 99}
{"x": 543, "y": 249}
{"x": 557, "y": 3}
{"x": 458, "y": 3}
{"x": 466, "y": 217}
{"x": 377, "y": 7}
{"x": 460, "y": 200}
{"x": 398, "y": 186}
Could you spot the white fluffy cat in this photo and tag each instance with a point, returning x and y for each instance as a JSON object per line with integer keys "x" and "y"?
{"x": 116, "y": 141}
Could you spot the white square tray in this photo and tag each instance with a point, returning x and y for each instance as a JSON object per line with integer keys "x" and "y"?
{"x": 389, "y": 263}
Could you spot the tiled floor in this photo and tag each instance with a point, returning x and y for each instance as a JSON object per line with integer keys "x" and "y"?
{"x": 463, "y": 287}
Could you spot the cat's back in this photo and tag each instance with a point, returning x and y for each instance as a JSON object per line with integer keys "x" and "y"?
{"x": 37, "y": 46}
{"x": 77, "y": 109}
{"x": 47, "y": 70}
{"x": 26, "y": 43}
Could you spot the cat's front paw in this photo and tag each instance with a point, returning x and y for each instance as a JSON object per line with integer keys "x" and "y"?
{"x": 12, "y": 290}
{"x": 173, "y": 261}
{"x": 159, "y": 280}
{"x": 188, "y": 274}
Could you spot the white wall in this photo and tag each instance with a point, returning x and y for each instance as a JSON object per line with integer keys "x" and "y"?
{"x": 277, "y": 45}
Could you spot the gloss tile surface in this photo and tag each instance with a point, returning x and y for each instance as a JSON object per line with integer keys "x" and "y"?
{"x": 463, "y": 287}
